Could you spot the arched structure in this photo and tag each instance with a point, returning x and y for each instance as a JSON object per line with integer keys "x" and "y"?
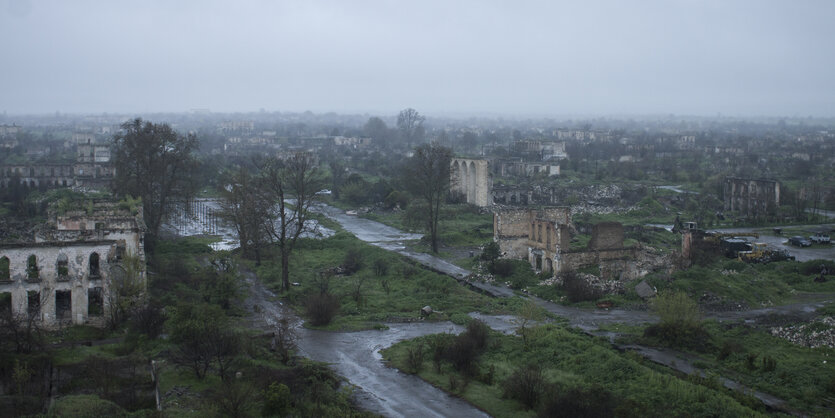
{"x": 470, "y": 179}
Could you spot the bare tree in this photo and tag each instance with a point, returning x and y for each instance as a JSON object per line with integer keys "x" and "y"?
{"x": 155, "y": 163}
{"x": 410, "y": 125}
{"x": 125, "y": 289}
{"x": 427, "y": 177}
{"x": 248, "y": 209}
{"x": 291, "y": 185}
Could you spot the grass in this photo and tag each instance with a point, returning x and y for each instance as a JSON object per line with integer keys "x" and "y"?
{"x": 753, "y": 284}
{"x": 568, "y": 360}
{"x": 803, "y": 377}
{"x": 410, "y": 287}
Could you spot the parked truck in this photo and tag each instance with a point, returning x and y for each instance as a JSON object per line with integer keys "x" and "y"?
{"x": 819, "y": 238}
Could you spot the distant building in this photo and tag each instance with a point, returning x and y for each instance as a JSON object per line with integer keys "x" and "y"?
{"x": 751, "y": 197}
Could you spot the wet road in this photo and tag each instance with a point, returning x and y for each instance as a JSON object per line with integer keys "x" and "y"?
{"x": 356, "y": 356}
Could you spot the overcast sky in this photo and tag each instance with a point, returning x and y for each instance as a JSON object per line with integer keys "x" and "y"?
{"x": 696, "y": 57}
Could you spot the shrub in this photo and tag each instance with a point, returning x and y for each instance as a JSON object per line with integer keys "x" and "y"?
{"x": 322, "y": 308}
{"x": 525, "y": 385}
{"x": 353, "y": 261}
{"x": 728, "y": 348}
{"x": 579, "y": 290}
{"x": 477, "y": 331}
{"x": 769, "y": 363}
{"x": 276, "y": 400}
{"x": 579, "y": 402}
{"x": 676, "y": 308}
{"x": 381, "y": 267}
{"x": 490, "y": 252}
{"x": 502, "y": 268}
{"x": 414, "y": 358}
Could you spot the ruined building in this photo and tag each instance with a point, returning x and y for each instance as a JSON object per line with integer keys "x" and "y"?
{"x": 471, "y": 181}
{"x": 751, "y": 197}
{"x": 543, "y": 238}
{"x": 534, "y": 235}
{"x": 69, "y": 270}
{"x": 92, "y": 168}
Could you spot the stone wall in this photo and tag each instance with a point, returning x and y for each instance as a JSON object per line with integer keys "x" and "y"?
{"x": 606, "y": 235}
{"x": 751, "y": 197}
{"x": 471, "y": 180}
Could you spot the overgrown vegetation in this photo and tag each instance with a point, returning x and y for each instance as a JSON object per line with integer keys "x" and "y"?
{"x": 564, "y": 371}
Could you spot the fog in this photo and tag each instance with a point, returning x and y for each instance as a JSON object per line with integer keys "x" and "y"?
{"x": 464, "y": 57}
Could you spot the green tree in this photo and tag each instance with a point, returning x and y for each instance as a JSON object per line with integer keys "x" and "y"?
{"x": 155, "y": 163}
{"x": 427, "y": 177}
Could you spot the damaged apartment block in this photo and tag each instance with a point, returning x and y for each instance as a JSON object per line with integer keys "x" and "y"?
{"x": 69, "y": 270}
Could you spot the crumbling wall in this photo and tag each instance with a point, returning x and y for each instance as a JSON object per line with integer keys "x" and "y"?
{"x": 752, "y": 197}
{"x": 606, "y": 235}
{"x": 471, "y": 180}
{"x": 48, "y": 281}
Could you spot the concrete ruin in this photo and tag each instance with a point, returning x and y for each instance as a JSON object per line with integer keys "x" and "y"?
{"x": 538, "y": 236}
{"x": 543, "y": 237}
{"x": 67, "y": 271}
{"x": 471, "y": 181}
{"x": 92, "y": 168}
{"x": 751, "y": 197}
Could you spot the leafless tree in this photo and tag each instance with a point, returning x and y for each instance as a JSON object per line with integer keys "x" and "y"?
{"x": 410, "y": 125}
{"x": 291, "y": 185}
{"x": 248, "y": 209}
{"x": 427, "y": 177}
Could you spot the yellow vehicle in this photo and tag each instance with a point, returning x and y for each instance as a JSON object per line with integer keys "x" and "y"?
{"x": 758, "y": 251}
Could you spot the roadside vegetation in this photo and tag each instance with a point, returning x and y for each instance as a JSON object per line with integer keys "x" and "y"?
{"x": 358, "y": 286}
{"x": 557, "y": 370}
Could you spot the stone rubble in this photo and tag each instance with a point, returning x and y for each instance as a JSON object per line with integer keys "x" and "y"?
{"x": 820, "y": 333}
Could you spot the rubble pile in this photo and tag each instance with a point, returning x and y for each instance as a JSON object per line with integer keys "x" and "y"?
{"x": 819, "y": 333}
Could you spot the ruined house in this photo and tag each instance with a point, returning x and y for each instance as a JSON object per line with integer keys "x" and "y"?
{"x": 68, "y": 270}
{"x": 751, "y": 197}
{"x": 534, "y": 235}
{"x": 542, "y": 237}
{"x": 471, "y": 181}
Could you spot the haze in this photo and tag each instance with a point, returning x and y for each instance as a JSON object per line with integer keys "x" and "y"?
{"x": 465, "y": 57}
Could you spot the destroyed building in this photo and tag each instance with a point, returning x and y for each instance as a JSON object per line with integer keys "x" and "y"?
{"x": 751, "y": 197}
{"x": 91, "y": 169}
{"x": 68, "y": 270}
{"x": 543, "y": 238}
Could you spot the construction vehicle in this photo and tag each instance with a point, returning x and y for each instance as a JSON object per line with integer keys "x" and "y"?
{"x": 760, "y": 253}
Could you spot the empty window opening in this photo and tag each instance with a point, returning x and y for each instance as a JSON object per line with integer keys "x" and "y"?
{"x": 4, "y": 268}
{"x": 63, "y": 267}
{"x": 34, "y": 299}
{"x": 6, "y": 303}
{"x": 63, "y": 304}
{"x": 549, "y": 265}
{"x": 32, "y": 270}
{"x": 538, "y": 262}
{"x": 94, "y": 265}
{"x": 95, "y": 302}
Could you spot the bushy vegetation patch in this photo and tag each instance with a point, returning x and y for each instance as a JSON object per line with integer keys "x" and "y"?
{"x": 562, "y": 368}
{"x": 385, "y": 287}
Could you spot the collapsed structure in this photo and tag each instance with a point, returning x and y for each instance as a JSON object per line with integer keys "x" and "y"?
{"x": 751, "y": 197}
{"x": 543, "y": 238}
{"x": 73, "y": 268}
